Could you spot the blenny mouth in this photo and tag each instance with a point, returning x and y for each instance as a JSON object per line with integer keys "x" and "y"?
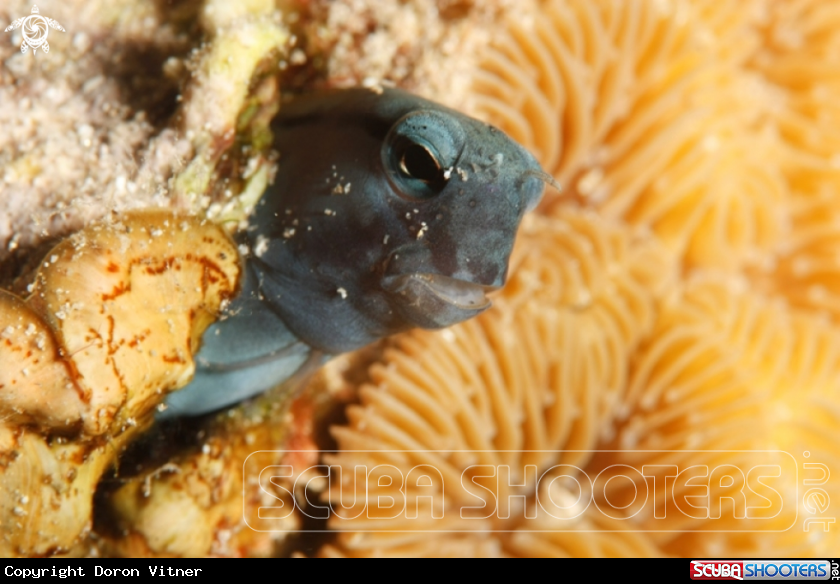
{"x": 452, "y": 291}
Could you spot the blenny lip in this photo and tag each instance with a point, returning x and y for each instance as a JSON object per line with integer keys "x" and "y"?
{"x": 458, "y": 293}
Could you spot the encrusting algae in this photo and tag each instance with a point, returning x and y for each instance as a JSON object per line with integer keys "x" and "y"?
{"x": 113, "y": 318}
{"x": 676, "y": 306}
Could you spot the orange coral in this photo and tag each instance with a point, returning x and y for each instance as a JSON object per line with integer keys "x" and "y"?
{"x": 647, "y": 109}
{"x": 712, "y": 125}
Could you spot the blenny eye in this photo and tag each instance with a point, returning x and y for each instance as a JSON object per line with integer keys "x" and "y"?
{"x": 419, "y": 149}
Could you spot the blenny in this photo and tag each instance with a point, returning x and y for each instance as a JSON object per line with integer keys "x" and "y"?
{"x": 387, "y": 212}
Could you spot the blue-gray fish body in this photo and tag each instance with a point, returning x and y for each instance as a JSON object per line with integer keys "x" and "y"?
{"x": 387, "y": 212}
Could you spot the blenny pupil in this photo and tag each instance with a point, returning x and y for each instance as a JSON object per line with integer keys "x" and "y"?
{"x": 419, "y": 163}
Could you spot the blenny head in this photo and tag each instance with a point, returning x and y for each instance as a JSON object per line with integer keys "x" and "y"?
{"x": 387, "y": 212}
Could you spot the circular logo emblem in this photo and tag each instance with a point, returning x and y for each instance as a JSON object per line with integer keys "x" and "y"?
{"x": 34, "y": 30}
